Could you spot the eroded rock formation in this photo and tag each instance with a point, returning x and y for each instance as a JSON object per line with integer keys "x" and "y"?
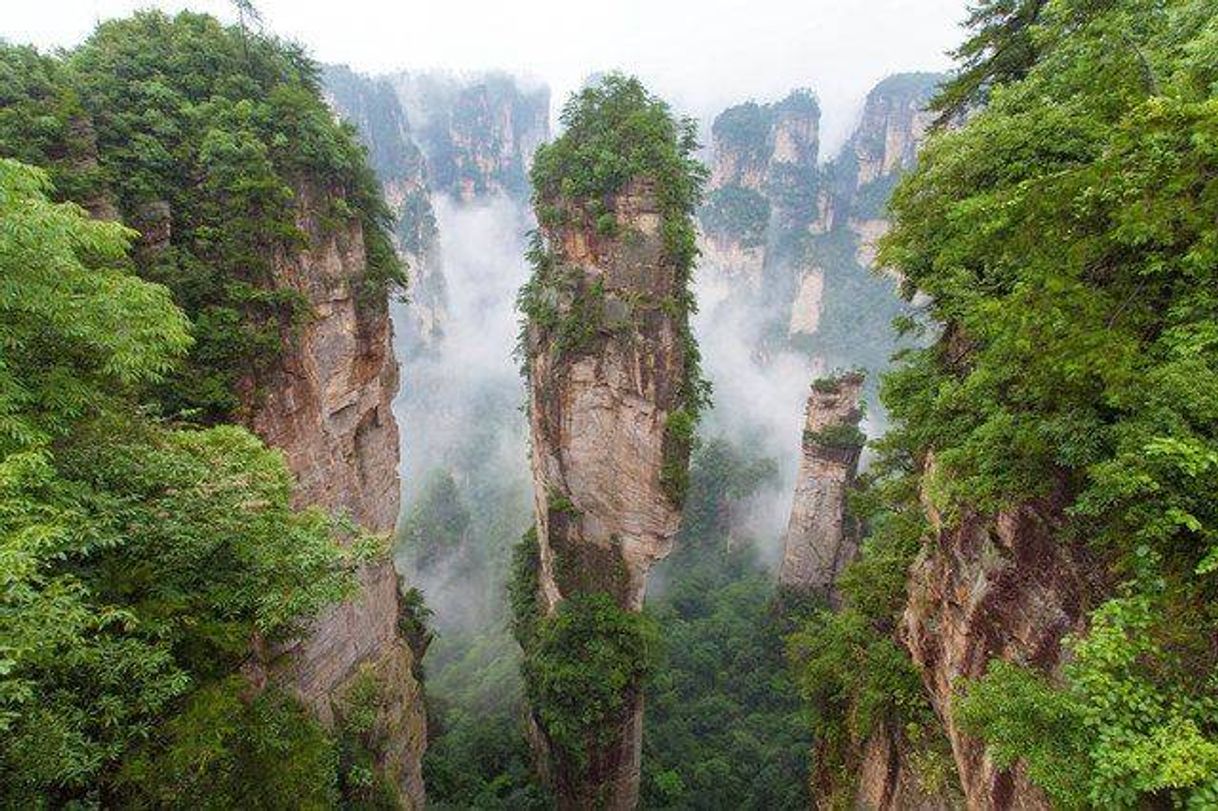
{"x": 1002, "y": 588}
{"x": 797, "y": 237}
{"x": 599, "y": 418}
{"x": 820, "y": 539}
{"x": 326, "y": 405}
{"x": 763, "y": 173}
{"x": 613, "y": 399}
{"x": 372, "y": 106}
{"x": 478, "y": 134}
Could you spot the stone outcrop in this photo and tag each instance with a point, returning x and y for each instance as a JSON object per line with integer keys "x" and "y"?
{"x": 797, "y": 238}
{"x": 1005, "y": 587}
{"x": 887, "y": 779}
{"x": 326, "y": 405}
{"x": 820, "y": 539}
{"x": 599, "y": 418}
{"x": 763, "y": 169}
{"x": 478, "y": 134}
{"x": 1001, "y": 588}
{"x": 601, "y": 440}
{"x": 894, "y": 123}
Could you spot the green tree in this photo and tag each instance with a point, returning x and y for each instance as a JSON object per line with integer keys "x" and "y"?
{"x": 139, "y": 561}
{"x": 1067, "y": 236}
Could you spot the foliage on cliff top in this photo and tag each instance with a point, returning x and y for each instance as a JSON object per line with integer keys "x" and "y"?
{"x": 616, "y": 132}
{"x": 138, "y": 560}
{"x": 1067, "y": 236}
{"x": 226, "y": 127}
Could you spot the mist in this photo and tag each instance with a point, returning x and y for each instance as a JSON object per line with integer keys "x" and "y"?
{"x": 459, "y": 408}
{"x": 702, "y": 55}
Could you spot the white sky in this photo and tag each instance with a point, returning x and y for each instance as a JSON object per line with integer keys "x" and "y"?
{"x": 702, "y": 56}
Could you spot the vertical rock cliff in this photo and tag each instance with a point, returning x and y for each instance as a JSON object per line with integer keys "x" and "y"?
{"x": 763, "y": 178}
{"x": 599, "y": 419}
{"x": 820, "y": 539}
{"x": 613, "y": 397}
{"x": 371, "y": 105}
{"x": 478, "y": 135}
{"x": 326, "y": 405}
{"x": 797, "y": 238}
{"x": 893, "y": 125}
{"x": 1006, "y": 588}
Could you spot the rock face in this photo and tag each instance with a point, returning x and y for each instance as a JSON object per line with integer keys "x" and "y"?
{"x": 372, "y": 106}
{"x": 820, "y": 540}
{"x": 887, "y": 780}
{"x": 599, "y": 419}
{"x": 797, "y": 238}
{"x": 763, "y": 174}
{"x": 1006, "y": 588}
{"x": 327, "y": 407}
{"x": 601, "y": 441}
{"x": 479, "y": 134}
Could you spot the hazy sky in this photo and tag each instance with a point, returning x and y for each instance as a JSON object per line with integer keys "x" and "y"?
{"x": 701, "y": 55}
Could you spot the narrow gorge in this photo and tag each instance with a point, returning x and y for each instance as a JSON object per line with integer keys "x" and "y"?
{"x": 766, "y": 434}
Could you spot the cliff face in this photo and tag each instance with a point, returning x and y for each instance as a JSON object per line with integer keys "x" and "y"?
{"x": 478, "y": 136}
{"x": 893, "y": 125}
{"x": 327, "y": 407}
{"x": 819, "y": 540}
{"x": 598, "y": 419}
{"x": 602, "y": 444}
{"x": 1006, "y": 588}
{"x": 372, "y": 107}
{"x": 763, "y": 173}
{"x": 797, "y": 238}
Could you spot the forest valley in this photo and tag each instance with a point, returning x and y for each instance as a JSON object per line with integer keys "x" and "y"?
{"x": 731, "y": 473}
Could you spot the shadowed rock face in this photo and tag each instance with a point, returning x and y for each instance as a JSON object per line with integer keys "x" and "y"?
{"x": 1001, "y": 588}
{"x": 820, "y": 540}
{"x": 327, "y": 407}
{"x": 599, "y": 413}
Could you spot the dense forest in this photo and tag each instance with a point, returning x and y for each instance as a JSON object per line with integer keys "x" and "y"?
{"x": 1065, "y": 236}
{"x": 147, "y": 543}
{"x": 1032, "y": 616}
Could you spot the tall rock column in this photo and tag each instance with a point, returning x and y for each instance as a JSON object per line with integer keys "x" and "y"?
{"x": 327, "y": 406}
{"x": 613, "y": 399}
{"x": 819, "y": 540}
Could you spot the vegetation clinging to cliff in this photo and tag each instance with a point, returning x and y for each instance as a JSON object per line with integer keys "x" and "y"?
{"x": 1066, "y": 236}
{"x": 616, "y": 133}
{"x": 584, "y": 663}
{"x": 140, "y": 559}
{"x": 203, "y": 136}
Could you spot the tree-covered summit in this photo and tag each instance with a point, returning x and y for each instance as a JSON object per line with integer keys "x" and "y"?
{"x": 204, "y": 138}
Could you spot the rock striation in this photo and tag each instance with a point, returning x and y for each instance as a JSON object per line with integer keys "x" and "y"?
{"x": 820, "y": 538}
{"x": 614, "y": 394}
{"x": 326, "y": 405}
{"x": 1005, "y": 587}
{"x": 599, "y": 418}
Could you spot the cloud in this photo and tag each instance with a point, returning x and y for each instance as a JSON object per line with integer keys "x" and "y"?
{"x": 702, "y": 55}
